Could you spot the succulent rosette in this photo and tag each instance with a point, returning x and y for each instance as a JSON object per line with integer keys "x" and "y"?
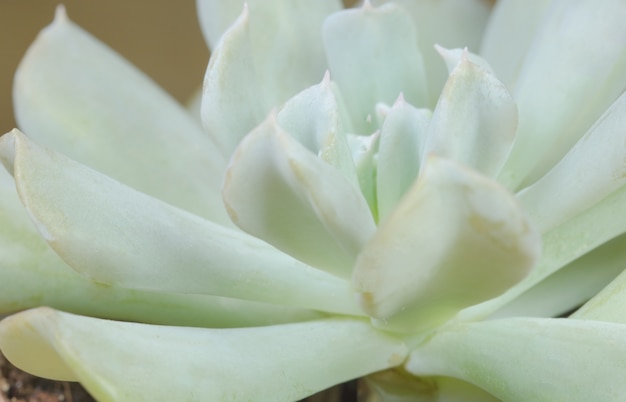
{"x": 405, "y": 192}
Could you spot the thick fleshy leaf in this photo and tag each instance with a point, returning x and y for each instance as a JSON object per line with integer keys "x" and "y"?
{"x": 517, "y": 359}
{"x": 456, "y": 238}
{"x": 272, "y": 51}
{"x": 395, "y": 386}
{"x": 75, "y": 95}
{"x": 509, "y": 34}
{"x": 118, "y": 236}
{"x": 373, "y": 56}
{"x": 32, "y": 275}
{"x": 364, "y": 150}
{"x": 127, "y": 361}
{"x": 475, "y": 120}
{"x": 592, "y": 170}
{"x": 449, "y": 23}
{"x": 572, "y": 285}
{"x": 279, "y": 191}
{"x": 564, "y": 244}
{"x": 607, "y": 305}
{"x": 402, "y": 139}
{"x": 557, "y": 98}
{"x": 452, "y": 58}
{"x": 216, "y": 16}
{"x": 318, "y": 119}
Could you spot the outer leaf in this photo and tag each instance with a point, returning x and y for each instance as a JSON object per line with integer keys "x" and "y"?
{"x": 517, "y": 359}
{"x": 121, "y": 237}
{"x": 301, "y": 205}
{"x": 373, "y": 56}
{"x": 77, "y": 96}
{"x": 590, "y": 171}
{"x": 119, "y": 361}
{"x": 556, "y": 99}
{"x": 475, "y": 120}
{"x": 396, "y": 386}
{"x": 564, "y": 244}
{"x": 273, "y": 51}
{"x": 607, "y": 305}
{"x": 456, "y": 238}
{"x": 509, "y": 33}
{"x": 572, "y": 285}
{"x": 32, "y": 275}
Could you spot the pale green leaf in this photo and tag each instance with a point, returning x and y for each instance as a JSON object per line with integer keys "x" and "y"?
{"x": 75, "y": 95}
{"x": 271, "y": 52}
{"x": 509, "y": 33}
{"x": 563, "y": 245}
{"x": 397, "y": 386}
{"x": 373, "y": 57}
{"x": 449, "y": 23}
{"x": 118, "y": 361}
{"x": 570, "y": 286}
{"x": 318, "y": 119}
{"x": 452, "y": 58}
{"x": 556, "y": 93}
{"x": 279, "y": 191}
{"x": 531, "y": 359}
{"x": 364, "y": 150}
{"x": 118, "y": 236}
{"x": 32, "y": 275}
{"x": 608, "y": 305}
{"x": 475, "y": 120}
{"x": 456, "y": 238}
{"x": 402, "y": 139}
{"x": 216, "y": 16}
{"x": 590, "y": 171}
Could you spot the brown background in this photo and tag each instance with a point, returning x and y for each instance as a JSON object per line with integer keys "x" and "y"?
{"x": 161, "y": 37}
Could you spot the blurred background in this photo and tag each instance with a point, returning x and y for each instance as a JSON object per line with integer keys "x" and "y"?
{"x": 161, "y": 37}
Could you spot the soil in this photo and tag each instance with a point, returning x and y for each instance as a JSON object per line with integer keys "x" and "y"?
{"x": 18, "y": 386}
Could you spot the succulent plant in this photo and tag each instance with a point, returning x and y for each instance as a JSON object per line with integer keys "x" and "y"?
{"x": 406, "y": 192}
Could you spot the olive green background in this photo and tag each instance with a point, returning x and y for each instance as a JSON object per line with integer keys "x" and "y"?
{"x": 161, "y": 37}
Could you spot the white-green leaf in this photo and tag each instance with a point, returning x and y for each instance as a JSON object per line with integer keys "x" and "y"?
{"x": 271, "y": 52}
{"x": 364, "y": 150}
{"x": 509, "y": 33}
{"x": 397, "y": 386}
{"x": 402, "y": 139}
{"x": 570, "y": 286}
{"x": 118, "y": 236}
{"x": 318, "y": 119}
{"x": 608, "y": 305}
{"x": 557, "y": 97}
{"x": 455, "y": 239}
{"x": 564, "y": 244}
{"x": 216, "y": 16}
{"x": 531, "y": 359}
{"x": 590, "y": 171}
{"x": 32, "y": 275}
{"x": 449, "y": 23}
{"x": 452, "y": 58}
{"x": 373, "y": 57}
{"x": 118, "y": 361}
{"x": 75, "y": 95}
{"x": 475, "y": 120}
{"x": 279, "y": 191}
